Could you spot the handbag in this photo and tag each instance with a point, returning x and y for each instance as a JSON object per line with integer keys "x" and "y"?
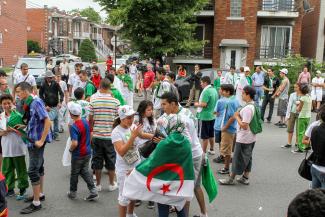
{"x": 131, "y": 156}
{"x": 305, "y": 166}
{"x": 148, "y": 147}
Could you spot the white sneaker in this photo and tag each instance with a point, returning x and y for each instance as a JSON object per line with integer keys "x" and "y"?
{"x": 99, "y": 188}
{"x": 211, "y": 152}
{"x": 131, "y": 215}
{"x": 94, "y": 178}
{"x": 112, "y": 187}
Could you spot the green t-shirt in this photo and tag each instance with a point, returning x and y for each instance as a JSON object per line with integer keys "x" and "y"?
{"x": 117, "y": 95}
{"x": 217, "y": 84}
{"x": 90, "y": 89}
{"x": 249, "y": 80}
{"x": 306, "y": 108}
{"x": 210, "y": 96}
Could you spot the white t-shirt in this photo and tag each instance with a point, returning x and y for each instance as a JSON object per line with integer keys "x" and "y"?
{"x": 246, "y": 136}
{"x": 311, "y": 127}
{"x": 27, "y": 78}
{"x": 12, "y": 144}
{"x": 64, "y": 68}
{"x": 190, "y": 128}
{"x": 240, "y": 86}
{"x": 133, "y": 70}
{"x": 73, "y": 78}
{"x": 147, "y": 128}
{"x": 121, "y": 134}
{"x": 78, "y": 83}
{"x": 316, "y": 80}
{"x": 117, "y": 83}
{"x": 63, "y": 86}
{"x": 162, "y": 88}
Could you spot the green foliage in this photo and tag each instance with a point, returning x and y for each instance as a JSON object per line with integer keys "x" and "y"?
{"x": 156, "y": 27}
{"x": 33, "y": 46}
{"x": 87, "y": 51}
{"x": 89, "y": 12}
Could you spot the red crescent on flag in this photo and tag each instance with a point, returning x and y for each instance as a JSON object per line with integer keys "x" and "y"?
{"x": 172, "y": 167}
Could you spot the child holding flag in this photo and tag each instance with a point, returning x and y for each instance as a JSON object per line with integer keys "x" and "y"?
{"x": 13, "y": 150}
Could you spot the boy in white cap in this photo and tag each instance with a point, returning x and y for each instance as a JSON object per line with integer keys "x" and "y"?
{"x": 317, "y": 90}
{"x": 80, "y": 152}
{"x": 283, "y": 94}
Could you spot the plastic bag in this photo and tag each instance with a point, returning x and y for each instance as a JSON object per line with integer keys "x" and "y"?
{"x": 66, "y": 158}
{"x": 209, "y": 182}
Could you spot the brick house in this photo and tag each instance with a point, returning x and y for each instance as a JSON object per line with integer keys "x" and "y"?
{"x": 247, "y": 32}
{"x": 13, "y": 34}
{"x": 313, "y": 32}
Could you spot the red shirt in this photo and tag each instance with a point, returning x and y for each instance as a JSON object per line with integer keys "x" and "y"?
{"x": 109, "y": 64}
{"x": 149, "y": 77}
{"x": 96, "y": 80}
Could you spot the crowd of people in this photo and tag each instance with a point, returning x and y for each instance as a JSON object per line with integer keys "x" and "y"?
{"x": 106, "y": 130}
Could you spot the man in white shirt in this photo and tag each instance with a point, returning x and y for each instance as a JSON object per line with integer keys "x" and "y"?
{"x": 134, "y": 73}
{"x": 162, "y": 87}
{"x": 317, "y": 90}
{"x": 73, "y": 78}
{"x": 64, "y": 66}
{"x": 231, "y": 77}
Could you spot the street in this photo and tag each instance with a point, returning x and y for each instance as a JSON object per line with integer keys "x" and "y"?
{"x": 273, "y": 184}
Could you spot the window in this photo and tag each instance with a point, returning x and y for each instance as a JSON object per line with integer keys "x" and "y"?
{"x": 70, "y": 46}
{"x": 70, "y": 26}
{"x": 235, "y": 8}
{"x": 0, "y": 8}
{"x": 233, "y": 58}
{"x": 60, "y": 27}
{"x": 0, "y": 37}
{"x": 278, "y": 5}
{"x": 1, "y": 62}
{"x": 275, "y": 41}
{"x": 50, "y": 25}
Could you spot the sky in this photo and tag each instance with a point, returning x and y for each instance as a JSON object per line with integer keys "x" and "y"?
{"x": 66, "y": 5}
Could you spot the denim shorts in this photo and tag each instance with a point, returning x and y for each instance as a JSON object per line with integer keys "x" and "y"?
{"x": 36, "y": 164}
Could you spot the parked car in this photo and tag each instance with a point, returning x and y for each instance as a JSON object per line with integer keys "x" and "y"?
{"x": 69, "y": 57}
{"x": 119, "y": 62}
{"x": 183, "y": 84}
{"x": 36, "y": 66}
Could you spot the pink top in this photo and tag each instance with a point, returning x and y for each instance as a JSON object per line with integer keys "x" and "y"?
{"x": 246, "y": 136}
{"x": 304, "y": 77}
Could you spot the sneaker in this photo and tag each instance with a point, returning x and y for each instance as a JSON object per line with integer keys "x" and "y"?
{"x": 278, "y": 124}
{"x": 223, "y": 171}
{"x": 219, "y": 160}
{"x": 31, "y": 198}
{"x": 137, "y": 203}
{"x": 30, "y": 209}
{"x": 283, "y": 126}
{"x": 99, "y": 188}
{"x": 22, "y": 194}
{"x": 94, "y": 178}
{"x": 131, "y": 215}
{"x": 228, "y": 181}
{"x": 72, "y": 195}
{"x": 112, "y": 187}
{"x": 61, "y": 131}
{"x": 243, "y": 180}
{"x": 91, "y": 197}
{"x": 297, "y": 151}
{"x": 151, "y": 205}
{"x": 10, "y": 193}
{"x": 211, "y": 152}
{"x": 286, "y": 146}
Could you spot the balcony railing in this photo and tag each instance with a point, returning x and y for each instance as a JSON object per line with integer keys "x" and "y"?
{"x": 273, "y": 52}
{"x": 206, "y": 52}
{"x": 276, "y": 5}
{"x": 81, "y": 34}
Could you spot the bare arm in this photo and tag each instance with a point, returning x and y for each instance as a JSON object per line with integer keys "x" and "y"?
{"x": 242, "y": 125}
{"x": 74, "y": 145}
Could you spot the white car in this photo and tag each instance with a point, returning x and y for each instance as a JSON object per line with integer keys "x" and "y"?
{"x": 119, "y": 62}
{"x": 69, "y": 57}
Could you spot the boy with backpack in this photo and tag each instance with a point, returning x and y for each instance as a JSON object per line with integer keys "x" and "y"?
{"x": 249, "y": 125}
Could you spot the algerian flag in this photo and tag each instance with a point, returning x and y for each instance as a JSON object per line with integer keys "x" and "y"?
{"x": 167, "y": 176}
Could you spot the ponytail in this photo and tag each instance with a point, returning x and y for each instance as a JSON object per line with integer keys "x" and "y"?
{"x": 117, "y": 122}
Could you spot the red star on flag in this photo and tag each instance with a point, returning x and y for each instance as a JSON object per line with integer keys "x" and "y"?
{"x": 165, "y": 189}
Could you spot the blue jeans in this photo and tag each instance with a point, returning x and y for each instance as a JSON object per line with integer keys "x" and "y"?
{"x": 54, "y": 116}
{"x": 259, "y": 94}
{"x": 163, "y": 211}
{"x": 36, "y": 164}
{"x": 318, "y": 178}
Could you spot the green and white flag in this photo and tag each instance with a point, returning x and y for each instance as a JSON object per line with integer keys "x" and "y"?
{"x": 167, "y": 176}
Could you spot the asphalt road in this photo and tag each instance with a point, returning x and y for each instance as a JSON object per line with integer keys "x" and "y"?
{"x": 274, "y": 183}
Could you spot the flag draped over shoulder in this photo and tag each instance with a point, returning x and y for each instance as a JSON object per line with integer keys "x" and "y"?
{"x": 126, "y": 78}
{"x": 167, "y": 176}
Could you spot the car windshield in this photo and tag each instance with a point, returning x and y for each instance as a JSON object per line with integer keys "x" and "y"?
{"x": 32, "y": 63}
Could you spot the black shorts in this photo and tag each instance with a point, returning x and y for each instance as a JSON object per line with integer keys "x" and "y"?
{"x": 103, "y": 151}
{"x": 206, "y": 129}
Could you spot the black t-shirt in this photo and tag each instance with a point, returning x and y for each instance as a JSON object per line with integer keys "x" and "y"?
{"x": 271, "y": 83}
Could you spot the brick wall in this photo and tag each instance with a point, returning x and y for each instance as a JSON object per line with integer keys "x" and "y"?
{"x": 13, "y": 28}
{"x": 309, "y": 31}
{"x": 37, "y": 22}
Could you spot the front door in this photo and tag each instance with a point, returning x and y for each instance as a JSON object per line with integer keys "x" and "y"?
{"x": 233, "y": 57}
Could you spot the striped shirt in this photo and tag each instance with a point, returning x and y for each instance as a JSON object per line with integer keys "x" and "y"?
{"x": 103, "y": 108}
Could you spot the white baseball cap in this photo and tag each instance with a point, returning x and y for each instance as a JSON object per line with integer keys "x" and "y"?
{"x": 74, "y": 108}
{"x": 318, "y": 72}
{"x": 125, "y": 111}
{"x": 284, "y": 70}
{"x": 246, "y": 69}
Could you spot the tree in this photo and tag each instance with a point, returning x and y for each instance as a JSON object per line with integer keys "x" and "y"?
{"x": 87, "y": 51}
{"x": 156, "y": 27}
{"x": 33, "y": 46}
{"x": 89, "y": 12}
